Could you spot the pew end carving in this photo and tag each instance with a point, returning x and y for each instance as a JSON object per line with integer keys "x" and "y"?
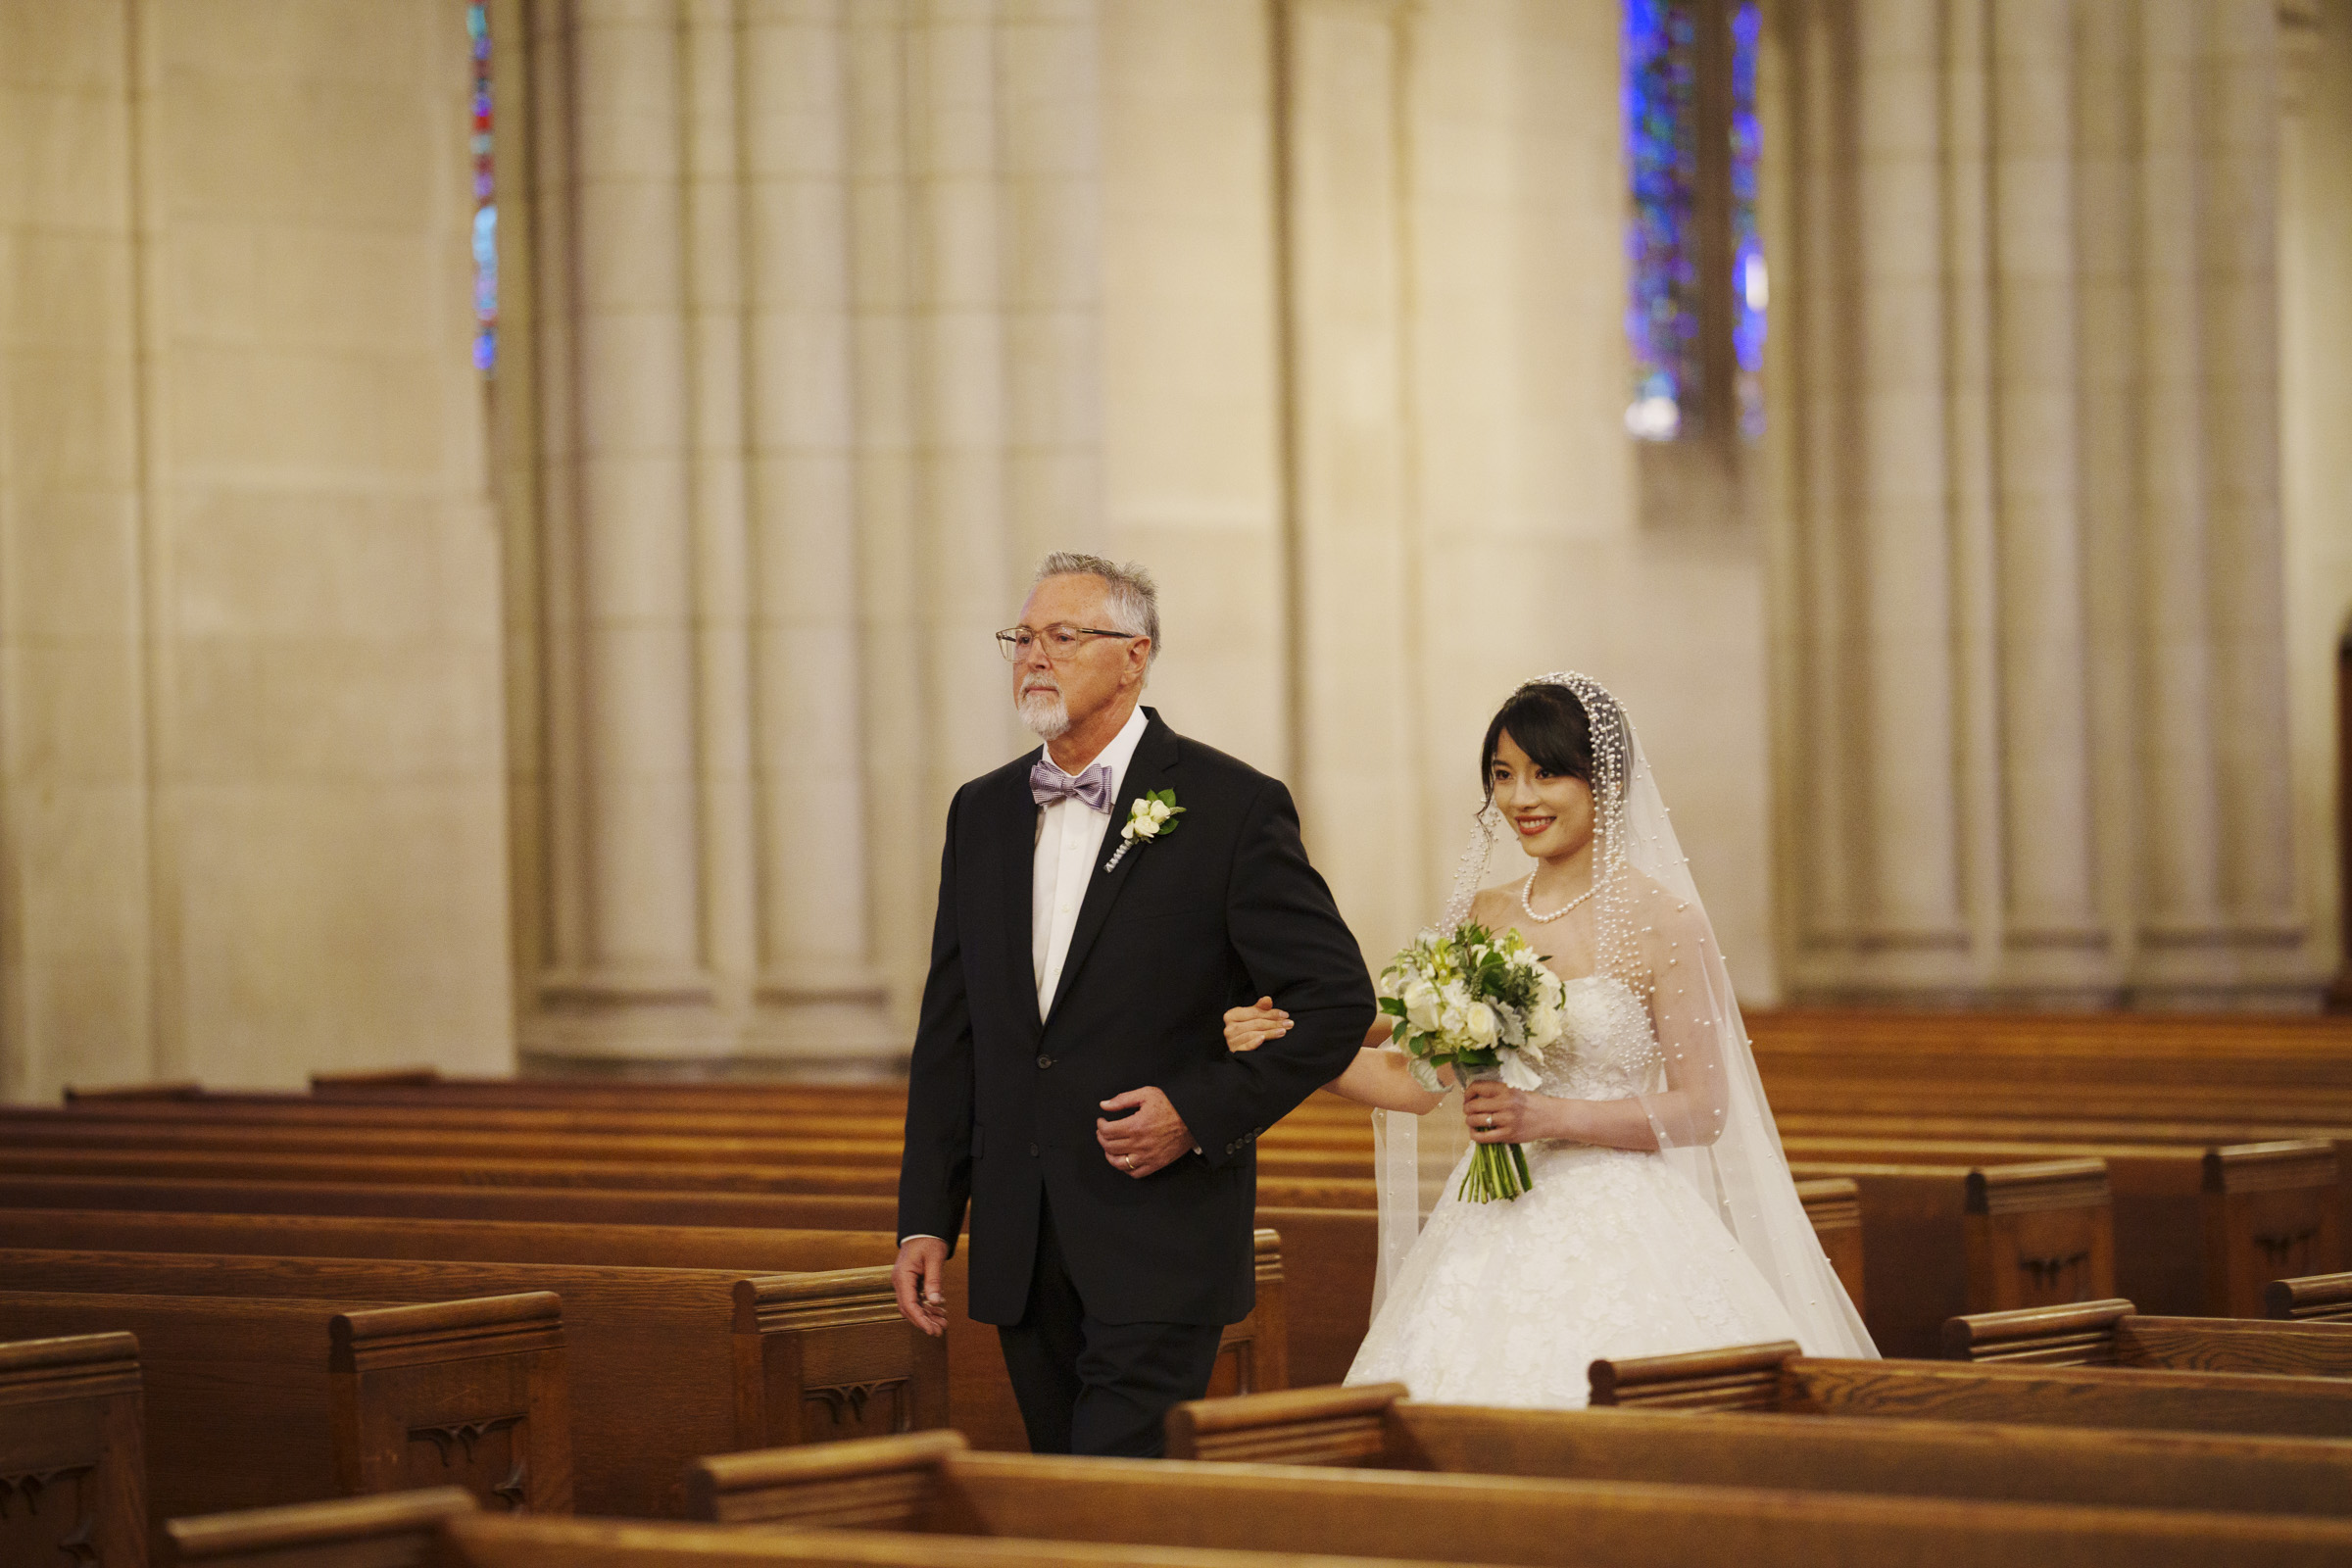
{"x": 825, "y": 1356}
{"x": 1254, "y": 1356}
{"x": 2269, "y": 1210}
{"x": 73, "y": 1472}
{"x": 1323, "y": 1426}
{"x": 879, "y": 1484}
{"x": 396, "y": 1531}
{"x": 468, "y": 1393}
{"x": 2039, "y": 1233}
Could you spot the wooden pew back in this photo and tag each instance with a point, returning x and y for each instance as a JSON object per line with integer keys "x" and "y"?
{"x": 657, "y": 1354}
{"x": 929, "y": 1483}
{"x": 1777, "y": 1378}
{"x": 2113, "y": 1334}
{"x": 255, "y": 1401}
{"x": 1378, "y": 1427}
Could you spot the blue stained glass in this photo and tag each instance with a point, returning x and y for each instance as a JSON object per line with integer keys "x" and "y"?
{"x": 1751, "y": 288}
{"x": 485, "y": 191}
{"x": 1660, "y": 108}
{"x": 1665, "y": 316}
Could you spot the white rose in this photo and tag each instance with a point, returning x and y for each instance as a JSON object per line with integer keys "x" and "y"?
{"x": 1481, "y": 1024}
{"x": 1518, "y": 1074}
{"x": 1543, "y": 1025}
{"x": 1421, "y": 1003}
{"x": 1553, "y": 991}
{"x": 1160, "y": 810}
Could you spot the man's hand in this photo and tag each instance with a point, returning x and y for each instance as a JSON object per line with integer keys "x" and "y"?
{"x": 918, "y": 1277}
{"x": 1152, "y": 1137}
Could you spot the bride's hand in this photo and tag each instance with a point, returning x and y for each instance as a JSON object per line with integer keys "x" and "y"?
{"x": 1247, "y": 1028}
{"x": 1497, "y": 1113}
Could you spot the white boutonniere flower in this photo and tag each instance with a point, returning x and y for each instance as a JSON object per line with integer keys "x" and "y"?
{"x": 1152, "y": 816}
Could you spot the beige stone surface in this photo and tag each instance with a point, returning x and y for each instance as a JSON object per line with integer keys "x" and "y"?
{"x": 351, "y": 717}
{"x": 249, "y": 640}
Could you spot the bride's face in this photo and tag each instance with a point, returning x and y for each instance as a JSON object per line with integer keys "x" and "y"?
{"x": 1552, "y": 813}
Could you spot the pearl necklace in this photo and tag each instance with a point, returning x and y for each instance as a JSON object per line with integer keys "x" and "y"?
{"x": 1529, "y": 886}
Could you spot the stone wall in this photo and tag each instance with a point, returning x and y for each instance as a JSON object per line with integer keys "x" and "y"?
{"x": 250, "y": 809}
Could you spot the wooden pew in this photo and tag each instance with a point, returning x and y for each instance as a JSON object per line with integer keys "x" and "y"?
{"x": 1325, "y": 1257}
{"x": 396, "y": 1531}
{"x": 39, "y": 1127}
{"x": 665, "y": 1363}
{"x": 980, "y": 1401}
{"x": 2316, "y": 1298}
{"x": 2197, "y": 1231}
{"x": 1939, "y": 1241}
{"x": 1378, "y": 1427}
{"x": 2115, "y": 1333}
{"x": 610, "y": 1175}
{"x": 1780, "y": 1378}
{"x": 930, "y": 1482}
{"x": 251, "y": 1400}
{"x": 429, "y": 1529}
{"x": 72, "y": 1474}
{"x": 1327, "y": 1252}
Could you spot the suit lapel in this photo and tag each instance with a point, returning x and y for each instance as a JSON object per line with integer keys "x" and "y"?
{"x": 1015, "y": 830}
{"x": 1155, "y": 758}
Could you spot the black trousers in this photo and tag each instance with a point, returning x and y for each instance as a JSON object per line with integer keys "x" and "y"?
{"x": 1090, "y": 1387}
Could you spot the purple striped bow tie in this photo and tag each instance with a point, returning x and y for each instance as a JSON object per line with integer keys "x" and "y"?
{"x": 1048, "y": 784}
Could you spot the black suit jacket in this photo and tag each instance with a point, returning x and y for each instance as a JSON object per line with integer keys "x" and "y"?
{"x": 1001, "y": 1108}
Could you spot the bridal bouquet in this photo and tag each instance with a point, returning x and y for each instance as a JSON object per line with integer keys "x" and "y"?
{"x": 1486, "y": 1005}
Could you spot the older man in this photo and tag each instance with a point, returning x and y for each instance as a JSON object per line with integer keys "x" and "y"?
{"x": 1070, "y": 1078}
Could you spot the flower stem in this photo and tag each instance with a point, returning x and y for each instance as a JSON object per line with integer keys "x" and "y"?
{"x": 1497, "y": 1171}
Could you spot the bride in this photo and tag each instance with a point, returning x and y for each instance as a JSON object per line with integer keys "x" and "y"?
{"x": 1662, "y": 1217}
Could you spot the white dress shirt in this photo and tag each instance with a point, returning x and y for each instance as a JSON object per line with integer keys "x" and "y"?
{"x": 1069, "y": 852}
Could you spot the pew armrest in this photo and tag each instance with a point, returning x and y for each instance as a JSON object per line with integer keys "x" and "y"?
{"x": 393, "y": 1531}
{"x": 2315, "y": 1298}
{"x": 873, "y": 1483}
{"x": 1335, "y": 1426}
{"x": 2083, "y": 1335}
{"x": 1744, "y": 1377}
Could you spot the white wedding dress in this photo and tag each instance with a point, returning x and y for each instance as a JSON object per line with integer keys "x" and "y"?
{"x": 1611, "y": 1254}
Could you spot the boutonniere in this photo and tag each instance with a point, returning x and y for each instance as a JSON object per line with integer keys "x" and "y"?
{"x": 1152, "y": 816}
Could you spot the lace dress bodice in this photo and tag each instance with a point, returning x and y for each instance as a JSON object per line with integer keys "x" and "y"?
{"x": 1606, "y": 1048}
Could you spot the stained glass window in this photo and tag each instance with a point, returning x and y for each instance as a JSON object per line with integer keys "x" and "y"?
{"x": 485, "y": 197}
{"x": 1692, "y": 201}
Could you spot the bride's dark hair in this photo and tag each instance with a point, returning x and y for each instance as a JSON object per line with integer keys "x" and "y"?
{"x": 1550, "y": 727}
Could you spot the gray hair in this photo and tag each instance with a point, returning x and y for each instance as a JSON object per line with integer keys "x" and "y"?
{"x": 1134, "y": 597}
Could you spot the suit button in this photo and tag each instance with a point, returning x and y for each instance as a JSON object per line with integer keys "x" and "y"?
{"x": 1032, "y": 1151}
{"x": 1044, "y": 1061}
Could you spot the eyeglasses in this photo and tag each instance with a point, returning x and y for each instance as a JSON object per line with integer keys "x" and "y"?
{"x": 1060, "y": 641}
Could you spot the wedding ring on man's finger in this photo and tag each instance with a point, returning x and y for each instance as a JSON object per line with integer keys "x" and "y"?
{"x": 1129, "y": 1161}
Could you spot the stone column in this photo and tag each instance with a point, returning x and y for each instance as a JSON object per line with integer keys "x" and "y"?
{"x": 1353, "y": 517}
{"x": 819, "y": 293}
{"x": 636, "y": 970}
{"x": 818, "y": 992}
{"x": 2030, "y": 503}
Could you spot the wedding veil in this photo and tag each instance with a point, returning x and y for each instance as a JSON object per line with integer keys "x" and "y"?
{"x": 1706, "y": 1103}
